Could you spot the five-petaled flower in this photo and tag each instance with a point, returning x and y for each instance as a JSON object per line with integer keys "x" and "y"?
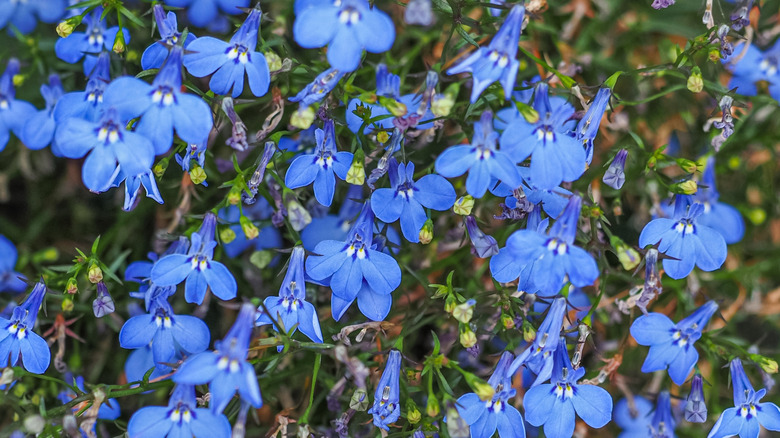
{"x": 155, "y": 54}
{"x": 91, "y": 43}
{"x": 17, "y": 337}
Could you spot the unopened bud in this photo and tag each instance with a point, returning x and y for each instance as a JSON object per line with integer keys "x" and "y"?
{"x": 442, "y": 105}
{"x": 67, "y": 305}
{"x": 688, "y": 166}
{"x": 529, "y": 333}
{"x": 303, "y": 118}
{"x": 119, "y": 42}
{"x": 95, "y": 274}
{"x": 103, "y": 304}
{"x": 413, "y": 413}
{"x": 695, "y": 408}
{"x": 227, "y": 235}
{"x": 356, "y": 175}
{"x": 450, "y": 303}
{"x": 507, "y": 321}
{"x": 234, "y": 196}
{"x": 483, "y": 390}
{"x": 463, "y": 205}
{"x": 432, "y": 407}
{"x": 395, "y": 107}
{"x": 159, "y": 169}
{"x": 468, "y": 338}
{"x": 464, "y": 312}
{"x": 65, "y": 28}
{"x": 359, "y": 400}
{"x": 695, "y": 81}
{"x": 382, "y": 137}
{"x": 687, "y": 187}
{"x": 72, "y": 286}
{"x": 766, "y": 364}
{"x": 274, "y": 61}
{"x": 249, "y": 229}
{"x": 197, "y": 175}
{"x": 426, "y": 232}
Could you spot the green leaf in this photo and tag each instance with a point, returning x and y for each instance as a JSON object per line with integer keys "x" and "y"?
{"x": 466, "y": 36}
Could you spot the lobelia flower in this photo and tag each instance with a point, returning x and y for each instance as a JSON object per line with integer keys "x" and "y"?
{"x": 406, "y": 198}
{"x": 695, "y": 407}
{"x": 481, "y": 159}
{"x": 352, "y": 265}
{"x": 141, "y": 272}
{"x": 133, "y": 185}
{"x": 552, "y": 201}
{"x": 89, "y": 44}
{"x": 748, "y": 414}
{"x": 588, "y": 126}
{"x": 555, "y": 155}
{"x": 195, "y": 151}
{"x": 230, "y": 62}
{"x": 756, "y": 65}
{"x": 387, "y": 399}
{"x": 290, "y": 310}
{"x": 38, "y": 131}
{"x": 155, "y": 54}
{"x": 17, "y": 338}
{"x": 496, "y": 62}
{"x": 197, "y": 268}
{"x": 318, "y": 88}
{"x": 87, "y": 104}
{"x": 13, "y": 113}
{"x": 225, "y": 369}
{"x": 419, "y": 12}
{"x": 719, "y": 216}
{"x": 103, "y": 304}
{"x": 180, "y": 418}
{"x": 162, "y": 106}
{"x": 484, "y": 418}
{"x": 107, "y": 143}
{"x": 551, "y": 256}
{"x": 505, "y": 267}
{"x": 672, "y": 345}
{"x": 321, "y": 167}
{"x": 9, "y": 279}
{"x": 345, "y": 26}
{"x": 24, "y": 15}
{"x": 554, "y": 404}
{"x": 170, "y": 335}
{"x": 684, "y": 239}
{"x": 538, "y": 357}
{"x": 633, "y": 418}
{"x": 204, "y": 13}
{"x": 615, "y": 175}
{"x": 482, "y": 245}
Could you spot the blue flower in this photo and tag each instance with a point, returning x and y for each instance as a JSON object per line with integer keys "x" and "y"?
{"x": 195, "y": 151}
{"x": 538, "y": 357}
{"x": 615, "y": 175}
{"x": 226, "y": 369}
{"x": 140, "y": 361}
{"x": 90, "y": 43}
{"x": 197, "y": 267}
{"x": 87, "y": 104}
{"x": 38, "y": 132}
{"x": 695, "y": 407}
{"x": 141, "y": 272}
{"x": 554, "y": 404}
{"x": 748, "y": 414}
{"x": 552, "y": 256}
{"x": 9, "y": 279}
{"x": 18, "y": 339}
{"x": 182, "y": 417}
{"x": 155, "y": 54}
{"x": 406, "y": 198}
{"x": 483, "y": 417}
{"x": 162, "y": 106}
{"x": 588, "y": 126}
{"x": 22, "y": 14}
{"x": 133, "y": 185}
{"x": 633, "y": 418}
{"x": 480, "y": 159}
{"x": 320, "y": 167}
{"x": 231, "y": 61}
{"x": 671, "y": 345}
{"x": 552, "y": 201}
{"x": 555, "y": 155}
{"x": 685, "y": 241}
{"x": 387, "y": 398}
{"x": 348, "y": 264}
{"x": 719, "y": 216}
{"x": 496, "y": 62}
{"x": 203, "y": 13}
{"x": 419, "y": 12}
{"x": 505, "y": 267}
{"x": 482, "y": 245}
{"x": 755, "y": 65}
{"x": 13, "y": 113}
{"x": 345, "y": 26}
{"x": 107, "y": 143}
{"x": 318, "y": 88}
{"x": 169, "y": 334}
{"x": 289, "y": 309}
{"x": 269, "y": 235}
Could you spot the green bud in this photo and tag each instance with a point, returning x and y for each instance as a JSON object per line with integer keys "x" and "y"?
{"x": 687, "y": 187}
{"x": 395, "y": 107}
{"x": 507, "y": 321}
{"x": 119, "y": 43}
{"x": 197, "y": 175}
{"x": 695, "y": 81}
{"x": 66, "y": 27}
{"x": 227, "y": 235}
{"x": 468, "y": 338}
{"x": 529, "y": 332}
{"x": 441, "y": 106}
{"x": 426, "y": 233}
{"x": 413, "y": 413}
{"x": 687, "y": 165}
{"x": 359, "y": 400}
{"x": 432, "y": 408}
{"x": 303, "y": 118}
{"x": 249, "y": 229}
{"x": 234, "y": 196}
{"x": 72, "y": 286}
{"x": 95, "y": 274}
{"x": 274, "y": 61}
{"x": 463, "y": 205}
{"x": 356, "y": 175}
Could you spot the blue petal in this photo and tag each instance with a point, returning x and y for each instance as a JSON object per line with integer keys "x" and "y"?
{"x": 729, "y": 424}
{"x": 339, "y": 306}
{"x": 135, "y": 153}
{"x": 546, "y": 166}
{"x": 381, "y": 272}
{"x": 157, "y": 125}
{"x": 325, "y": 186}
{"x": 130, "y": 96}
{"x": 485, "y": 427}
{"x": 137, "y": 332}
{"x": 539, "y": 402}
{"x": 38, "y": 132}
{"x": 315, "y": 27}
{"x": 769, "y": 416}
{"x": 332, "y": 257}
{"x": 341, "y": 163}
{"x": 8, "y": 257}
{"x": 479, "y": 179}
{"x": 344, "y": 51}
{"x": 202, "y": 12}
{"x": 205, "y": 55}
{"x": 373, "y": 305}
{"x": 198, "y": 369}
{"x": 710, "y": 248}
{"x": 593, "y": 404}
{"x": 230, "y": 75}
{"x": 191, "y": 334}
{"x": 171, "y": 270}
{"x": 309, "y": 322}
{"x": 163, "y": 348}
{"x": 502, "y": 167}
{"x": 581, "y": 267}
{"x": 660, "y": 356}
{"x": 511, "y": 424}
{"x": 517, "y": 140}
{"x": 35, "y": 353}
{"x": 98, "y": 170}
{"x": 221, "y": 281}
{"x": 375, "y": 31}
{"x": 75, "y": 137}
{"x": 258, "y": 75}
{"x": 561, "y": 421}
{"x": 149, "y": 421}
{"x": 455, "y": 161}
{"x": 434, "y": 192}
{"x": 726, "y": 220}
{"x": 651, "y": 329}
{"x": 192, "y": 118}
{"x": 684, "y": 248}
{"x": 207, "y": 424}
{"x": 71, "y": 48}
{"x": 571, "y": 157}
{"x": 249, "y": 389}
{"x": 346, "y": 281}
{"x": 683, "y": 364}
{"x": 195, "y": 287}
{"x": 386, "y": 205}
{"x": 505, "y": 267}
{"x": 153, "y": 56}
{"x": 654, "y": 231}
{"x": 301, "y": 172}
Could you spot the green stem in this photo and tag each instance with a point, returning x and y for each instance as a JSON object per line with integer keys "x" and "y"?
{"x": 317, "y": 363}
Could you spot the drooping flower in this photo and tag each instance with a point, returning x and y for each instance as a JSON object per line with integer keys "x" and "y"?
{"x": 107, "y": 143}
{"x": 588, "y": 126}
{"x": 496, "y": 62}
{"x": 748, "y": 414}
{"x": 485, "y": 417}
{"x": 9, "y": 279}
{"x": 321, "y": 167}
{"x": 155, "y": 54}
{"x": 684, "y": 240}
{"x": 615, "y": 175}
{"x": 204, "y": 13}
{"x": 13, "y": 113}
{"x": 406, "y": 198}
{"x": 554, "y": 404}
{"x": 672, "y": 345}
{"x": 17, "y": 338}
{"x": 182, "y": 417}
{"x": 24, "y": 15}
{"x": 481, "y": 159}
{"x": 318, "y": 88}
{"x": 695, "y": 407}
{"x": 133, "y": 185}
{"x": 89, "y": 44}
{"x": 555, "y": 155}
{"x": 162, "y": 106}
{"x": 230, "y": 62}
{"x": 538, "y": 357}
{"x": 198, "y": 267}
{"x": 387, "y": 398}
{"x": 551, "y": 256}
{"x": 226, "y": 369}
{"x": 103, "y": 304}
{"x": 38, "y": 132}
{"x": 290, "y": 310}
{"x": 482, "y": 245}
{"x": 345, "y": 26}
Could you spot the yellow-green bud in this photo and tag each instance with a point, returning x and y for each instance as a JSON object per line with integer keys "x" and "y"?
{"x": 274, "y": 61}
{"x": 234, "y": 196}
{"x": 687, "y": 165}
{"x": 757, "y": 216}
{"x": 768, "y": 365}
{"x": 132, "y": 56}
{"x": 529, "y": 332}
{"x": 67, "y": 305}
{"x": 356, "y": 174}
{"x": 464, "y": 312}
{"x": 483, "y": 390}
{"x": 426, "y": 233}
{"x": 695, "y": 82}
{"x": 714, "y": 55}
{"x": 468, "y": 338}
{"x": 395, "y": 107}
{"x": 382, "y": 137}
{"x": 303, "y": 118}
{"x": 413, "y": 413}
{"x": 441, "y": 106}
{"x": 249, "y": 229}
{"x": 450, "y": 303}
{"x": 507, "y": 321}
{"x": 18, "y": 80}
{"x": 72, "y": 286}
{"x": 688, "y": 187}
{"x": 197, "y": 175}
{"x": 627, "y": 255}
{"x": 528, "y": 112}
{"x": 95, "y": 274}
{"x": 119, "y": 42}
{"x": 65, "y": 28}
{"x": 463, "y": 205}
{"x": 159, "y": 168}
{"x": 227, "y": 235}
{"x": 432, "y": 408}
{"x": 359, "y": 400}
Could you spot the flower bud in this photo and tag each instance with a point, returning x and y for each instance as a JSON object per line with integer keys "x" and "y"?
{"x": 687, "y": 165}
{"x": 356, "y": 175}
{"x": 359, "y": 400}
{"x": 72, "y": 286}
{"x": 468, "y": 338}
{"x": 695, "y": 81}
{"x": 687, "y": 187}
{"x": 197, "y": 175}
{"x": 303, "y": 118}
{"x": 695, "y": 408}
{"x": 627, "y": 255}
{"x": 450, "y": 303}
{"x": 119, "y": 42}
{"x": 274, "y": 61}
{"x": 432, "y": 407}
{"x": 67, "y": 305}
{"x": 159, "y": 168}
{"x": 103, "y": 304}
{"x": 463, "y": 205}
{"x": 482, "y": 245}
{"x": 249, "y": 229}
{"x": 298, "y": 215}
{"x": 382, "y": 137}
{"x": 464, "y": 312}
{"x": 413, "y": 413}
{"x": 528, "y": 112}
{"x": 529, "y": 333}
{"x": 234, "y": 196}
{"x": 507, "y": 321}
{"x": 766, "y": 364}
{"x": 227, "y": 235}
{"x": 426, "y": 232}
{"x": 65, "y": 28}
{"x": 94, "y": 273}
{"x": 395, "y": 107}
{"x": 615, "y": 175}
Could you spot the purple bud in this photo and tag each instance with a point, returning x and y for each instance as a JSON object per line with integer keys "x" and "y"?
{"x": 615, "y": 175}
{"x": 238, "y": 139}
{"x": 695, "y": 408}
{"x": 483, "y": 245}
{"x": 661, "y": 4}
{"x": 103, "y": 304}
